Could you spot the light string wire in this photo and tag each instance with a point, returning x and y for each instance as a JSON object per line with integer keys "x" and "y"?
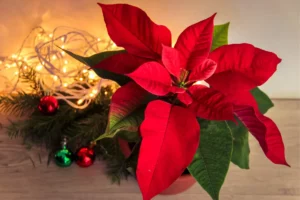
{"x": 57, "y": 73}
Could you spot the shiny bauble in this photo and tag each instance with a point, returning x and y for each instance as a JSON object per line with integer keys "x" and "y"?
{"x": 64, "y": 157}
{"x": 85, "y": 156}
{"x": 48, "y": 105}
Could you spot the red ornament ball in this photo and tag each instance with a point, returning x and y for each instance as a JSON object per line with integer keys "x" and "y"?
{"x": 48, "y": 105}
{"x": 85, "y": 156}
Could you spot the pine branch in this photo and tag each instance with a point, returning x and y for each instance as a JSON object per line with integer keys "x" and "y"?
{"x": 31, "y": 78}
{"x": 20, "y": 104}
{"x": 80, "y": 126}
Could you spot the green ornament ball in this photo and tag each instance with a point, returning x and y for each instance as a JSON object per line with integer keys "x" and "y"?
{"x": 63, "y": 157}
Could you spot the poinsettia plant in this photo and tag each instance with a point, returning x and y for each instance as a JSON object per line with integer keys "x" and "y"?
{"x": 168, "y": 94}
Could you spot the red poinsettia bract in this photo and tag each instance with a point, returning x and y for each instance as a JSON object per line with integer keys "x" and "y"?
{"x": 170, "y": 131}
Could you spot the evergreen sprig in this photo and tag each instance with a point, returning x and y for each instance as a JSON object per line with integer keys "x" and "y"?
{"x": 80, "y": 127}
{"x": 19, "y": 104}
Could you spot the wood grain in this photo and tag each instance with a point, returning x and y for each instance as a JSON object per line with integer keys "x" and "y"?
{"x": 20, "y": 179}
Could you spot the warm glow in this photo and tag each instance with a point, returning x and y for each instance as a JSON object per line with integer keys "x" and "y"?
{"x": 95, "y": 91}
{"x": 113, "y": 45}
{"x": 79, "y": 102}
{"x": 57, "y": 72}
{"x": 54, "y": 57}
{"x": 92, "y": 75}
{"x": 39, "y": 67}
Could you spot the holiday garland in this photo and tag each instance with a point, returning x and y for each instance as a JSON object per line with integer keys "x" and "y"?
{"x": 166, "y": 95}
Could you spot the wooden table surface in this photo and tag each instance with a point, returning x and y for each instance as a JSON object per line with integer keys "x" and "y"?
{"x": 19, "y": 179}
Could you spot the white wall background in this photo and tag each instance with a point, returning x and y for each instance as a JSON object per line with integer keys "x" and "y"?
{"x": 273, "y": 25}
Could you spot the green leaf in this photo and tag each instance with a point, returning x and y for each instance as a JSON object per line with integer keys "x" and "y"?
{"x": 211, "y": 161}
{"x": 97, "y": 58}
{"x": 129, "y": 123}
{"x": 220, "y": 36}
{"x": 263, "y": 101}
{"x": 241, "y": 150}
{"x": 129, "y": 135}
{"x": 126, "y": 110}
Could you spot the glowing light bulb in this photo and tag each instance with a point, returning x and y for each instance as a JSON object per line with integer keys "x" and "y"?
{"x": 105, "y": 93}
{"x": 16, "y": 73}
{"x": 92, "y": 75}
{"x": 80, "y": 101}
{"x": 64, "y": 69}
{"x": 66, "y": 62}
{"x": 81, "y": 79}
{"x": 62, "y": 46}
{"x": 54, "y": 57}
{"x": 98, "y": 39}
{"x": 63, "y": 53}
{"x": 92, "y": 94}
{"x": 84, "y": 71}
{"x": 113, "y": 45}
{"x": 1, "y": 62}
{"x": 39, "y": 67}
{"x": 14, "y": 64}
{"x": 62, "y": 39}
{"x": 95, "y": 91}
{"x": 51, "y": 35}
{"x": 25, "y": 67}
{"x": 55, "y": 78}
{"x": 14, "y": 56}
{"x": 65, "y": 84}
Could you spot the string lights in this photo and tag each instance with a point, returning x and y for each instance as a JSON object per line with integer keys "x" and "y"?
{"x": 58, "y": 73}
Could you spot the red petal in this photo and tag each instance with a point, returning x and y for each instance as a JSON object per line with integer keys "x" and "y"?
{"x": 185, "y": 98}
{"x": 165, "y": 153}
{"x": 195, "y": 42}
{"x": 131, "y": 28}
{"x": 203, "y": 71}
{"x": 175, "y": 89}
{"x": 122, "y": 63}
{"x": 153, "y": 77}
{"x": 261, "y": 127}
{"x": 241, "y": 67}
{"x": 210, "y": 104}
{"x": 172, "y": 60}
